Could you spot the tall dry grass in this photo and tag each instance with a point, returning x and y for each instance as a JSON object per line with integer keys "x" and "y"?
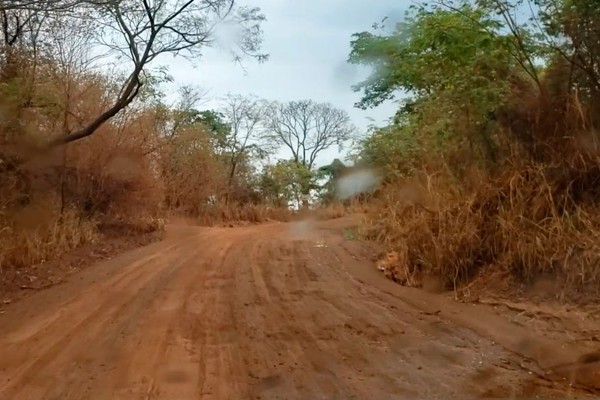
{"x": 38, "y": 234}
{"x": 338, "y": 209}
{"x": 516, "y": 223}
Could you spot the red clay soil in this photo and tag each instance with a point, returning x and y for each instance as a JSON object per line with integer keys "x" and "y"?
{"x": 278, "y": 311}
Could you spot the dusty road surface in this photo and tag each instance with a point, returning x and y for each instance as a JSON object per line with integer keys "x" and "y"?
{"x": 279, "y": 311}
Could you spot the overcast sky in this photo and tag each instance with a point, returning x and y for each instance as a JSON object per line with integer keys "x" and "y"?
{"x": 308, "y": 42}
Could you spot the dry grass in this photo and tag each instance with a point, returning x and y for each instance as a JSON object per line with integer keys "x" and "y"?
{"x": 331, "y": 211}
{"x": 339, "y": 209}
{"x": 50, "y": 204}
{"x": 212, "y": 215}
{"x": 428, "y": 229}
{"x": 527, "y": 223}
{"x": 55, "y": 200}
{"x": 36, "y": 235}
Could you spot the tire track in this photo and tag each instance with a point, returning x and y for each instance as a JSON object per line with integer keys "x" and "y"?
{"x": 129, "y": 292}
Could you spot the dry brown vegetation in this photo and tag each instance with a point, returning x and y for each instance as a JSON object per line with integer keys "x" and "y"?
{"x": 536, "y": 216}
{"x": 492, "y": 167}
{"x": 241, "y": 214}
{"x": 150, "y": 162}
{"x": 122, "y": 181}
{"x": 54, "y": 200}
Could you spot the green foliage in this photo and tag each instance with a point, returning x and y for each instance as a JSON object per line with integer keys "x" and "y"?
{"x": 434, "y": 51}
{"x": 455, "y": 69}
{"x": 215, "y": 122}
{"x": 394, "y": 149}
{"x": 286, "y": 182}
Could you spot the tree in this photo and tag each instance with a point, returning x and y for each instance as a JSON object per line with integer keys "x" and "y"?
{"x": 216, "y": 124}
{"x": 331, "y": 172}
{"x": 453, "y": 67}
{"x": 141, "y": 31}
{"x": 285, "y": 182}
{"x": 564, "y": 28}
{"x": 48, "y": 5}
{"x": 307, "y": 128}
{"x": 236, "y": 132}
{"x": 192, "y": 174}
{"x": 245, "y": 118}
{"x": 182, "y": 114}
{"x": 432, "y": 51}
{"x": 393, "y": 149}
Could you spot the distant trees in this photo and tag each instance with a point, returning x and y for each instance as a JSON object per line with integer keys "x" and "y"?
{"x": 307, "y": 128}
{"x": 240, "y": 134}
{"x": 245, "y": 130}
{"x": 245, "y": 142}
{"x": 286, "y": 182}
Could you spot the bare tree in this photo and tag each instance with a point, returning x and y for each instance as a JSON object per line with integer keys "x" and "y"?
{"x": 245, "y": 116}
{"x": 307, "y": 128}
{"x": 142, "y": 30}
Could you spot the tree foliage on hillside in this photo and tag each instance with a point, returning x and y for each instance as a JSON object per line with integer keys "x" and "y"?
{"x": 453, "y": 66}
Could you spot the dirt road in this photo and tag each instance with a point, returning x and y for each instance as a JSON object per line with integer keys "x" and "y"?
{"x": 280, "y": 311}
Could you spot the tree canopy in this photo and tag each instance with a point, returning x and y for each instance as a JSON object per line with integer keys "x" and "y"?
{"x": 307, "y": 128}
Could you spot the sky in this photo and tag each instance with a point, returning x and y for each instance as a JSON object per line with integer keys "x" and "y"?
{"x": 308, "y": 42}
